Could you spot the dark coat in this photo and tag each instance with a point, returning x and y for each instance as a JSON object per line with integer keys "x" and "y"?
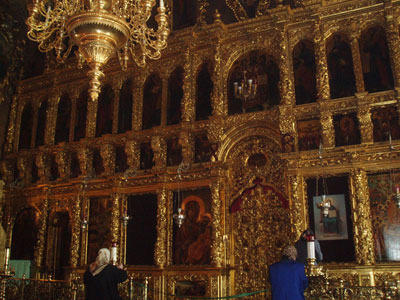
{"x": 104, "y": 286}
{"x": 288, "y": 280}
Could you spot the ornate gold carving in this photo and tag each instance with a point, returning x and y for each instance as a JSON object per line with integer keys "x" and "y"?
{"x": 85, "y": 156}
{"x": 321, "y": 61}
{"x": 358, "y": 72}
{"x": 107, "y": 153}
{"x": 24, "y": 165}
{"x": 159, "y": 147}
{"x": 361, "y": 217}
{"x": 298, "y": 207}
{"x": 160, "y": 255}
{"x": 76, "y": 232}
{"x": 91, "y": 118}
{"x": 63, "y": 159}
{"x": 7, "y": 171}
{"x": 115, "y": 217}
{"x": 188, "y": 101}
{"x": 132, "y": 150}
{"x": 327, "y": 130}
{"x": 43, "y": 164}
{"x": 393, "y": 38}
{"x": 186, "y": 140}
{"x": 39, "y": 248}
{"x": 217, "y": 248}
{"x": 364, "y": 117}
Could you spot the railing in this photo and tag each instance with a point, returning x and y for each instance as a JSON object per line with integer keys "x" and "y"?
{"x": 325, "y": 291}
{"x": 43, "y": 289}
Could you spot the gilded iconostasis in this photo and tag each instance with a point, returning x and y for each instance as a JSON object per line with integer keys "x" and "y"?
{"x": 202, "y": 165}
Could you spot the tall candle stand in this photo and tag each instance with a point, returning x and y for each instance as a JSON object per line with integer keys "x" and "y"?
{"x": 5, "y": 274}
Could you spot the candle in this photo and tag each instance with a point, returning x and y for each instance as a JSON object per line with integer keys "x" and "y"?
{"x": 6, "y": 258}
{"x": 310, "y": 247}
{"x": 114, "y": 253}
{"x": 161, "y": 3}
{"x": 397, "y": 190}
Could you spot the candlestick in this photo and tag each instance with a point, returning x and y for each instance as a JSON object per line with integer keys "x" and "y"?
{"x": 6, "y": 259}
{"x": 114, "y": 253}
{"x": 310, "y": 247}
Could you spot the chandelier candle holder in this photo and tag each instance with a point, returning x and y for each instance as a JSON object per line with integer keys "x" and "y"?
{"x": 325, "y": 205}
{"x": 246, "y": 89}
{"x": 100, "y": 29}
{"x": 114, "y": 250}
{"x": 179, "y": 217}
{"x": 125, "y": 218}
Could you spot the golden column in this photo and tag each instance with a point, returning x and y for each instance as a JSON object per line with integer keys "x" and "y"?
{"x": 137, "y": 95}
{"x": 44, "y": 213}
{"x": 91, "y": 118}
{"x": 116, "y": 217}
{"x": 188, "y": 101}
{"x": 76, "y": 232}
{"x": 362, "y": 225}
{"x": 357, "y": 64}
{"x": 392, "y": 31}
{"x": 298, "y": 204}
{"x": 160, "y": 253}
{"x": 218, "y": 255}
{"x": 364, "y": 118}
{"x": 321, "y": 60}
{"x": 51, "y": 118}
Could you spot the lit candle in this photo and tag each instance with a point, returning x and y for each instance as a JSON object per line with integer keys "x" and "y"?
{"x": 161, "y": 3}
{"x": 397, "y": 190}
{"x": 250, "y": 82}
{"x": 6, "y": 259}
{"x": 390, "y": 139}
{"x": 310, "y": 247}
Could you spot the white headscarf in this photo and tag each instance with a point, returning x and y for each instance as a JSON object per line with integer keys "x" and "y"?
{"x": 102, "y": 260}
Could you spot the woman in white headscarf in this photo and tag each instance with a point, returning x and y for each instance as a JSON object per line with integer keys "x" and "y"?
{"x": 101, "y": 278}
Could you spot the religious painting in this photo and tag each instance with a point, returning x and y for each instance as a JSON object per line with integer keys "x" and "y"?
{"x": 125, "y": 107}
{"x": 174, "y": 152}
{"x": 99, "y": 234}
{"x": 105, "y": 109}
{"x": 333, "y": 225}
{"x": 204, "y": 89}
{"x": 386, "y": 124}
{"x": 342, "y": 80}
{"x": 41, "y": 126}
{"x": 346, "y": 130}
{"x": 184, "y": 13}
{"x": 175, "y": 96}
{"x": 334, "y": 231}
{"x": 253, "y": 83}
{"x": 81, "y": 112}
{"x": 191, "y": 288}
{"x": 192, "y": 240}
{"x": 97, "y": 162}
{"x": 304, "y": 68}
{"x": 141, "y": 229}
{"x": 63, "y": 120}
{"x": 385, "y": 215}
{"x": 288, "y": 143}
{"x": 202, "y": 149}
{"x": 24, "y": 234}
{"x": 152, "y": 102}
{"x": 309, "y": 134}
{"x": 121, "y": 164}
{"x": 146, "y": 156}
{"x": 25, "y": 134}
{"x": 375, "y": 59}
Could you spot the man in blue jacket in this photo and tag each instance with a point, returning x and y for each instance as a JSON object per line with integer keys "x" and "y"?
{"x": 287, "y": 277}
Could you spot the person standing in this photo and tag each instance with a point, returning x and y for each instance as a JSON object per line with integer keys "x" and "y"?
{"x": 301, "y": 247}
{"x": 287, "y": 277}
{"x": 101, "y": 278}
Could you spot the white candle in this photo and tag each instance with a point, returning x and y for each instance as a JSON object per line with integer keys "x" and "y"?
{"x": 161, "y": 3}
{"x": 114, "y": 253}
{"x": 6, "y": 258}
{"x": 310, "y": 247}
{"x": 397, "y": 190}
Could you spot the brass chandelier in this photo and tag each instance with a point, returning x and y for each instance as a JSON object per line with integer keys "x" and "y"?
{"x": 100, "y": 29}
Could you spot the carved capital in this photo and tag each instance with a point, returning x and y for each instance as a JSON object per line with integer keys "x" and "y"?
{"x": 85, "y": 157}
{"x": 132, "y": 150}
{"x": 43, "y": 164}
{"x": 107, "y": 153}
{"x": 159, "y": 146}
{"x": 63, "y": 159}
{"x": 24, "y": 165}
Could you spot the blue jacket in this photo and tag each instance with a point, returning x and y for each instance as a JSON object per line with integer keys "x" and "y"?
{"x": 288, "y": 280}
